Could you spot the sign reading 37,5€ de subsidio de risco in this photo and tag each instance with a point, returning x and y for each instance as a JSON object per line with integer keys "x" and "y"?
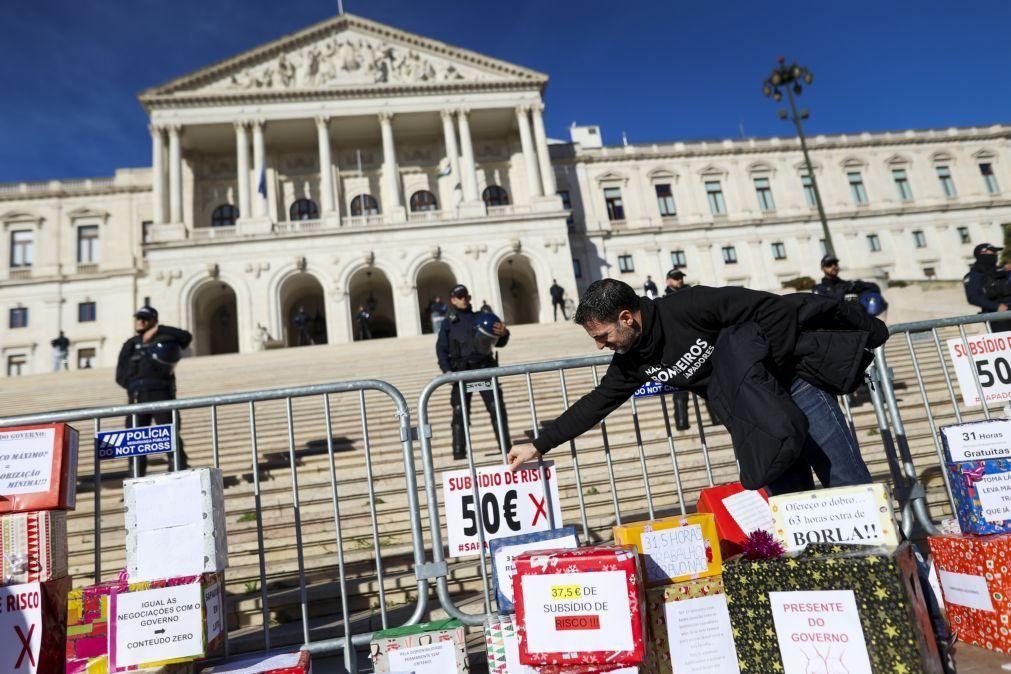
{"x": 990, "y": 356}
{"x": 509, "y": 504}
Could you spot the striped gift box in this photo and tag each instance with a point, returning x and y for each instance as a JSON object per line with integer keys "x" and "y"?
{"x": 33, "y": 547}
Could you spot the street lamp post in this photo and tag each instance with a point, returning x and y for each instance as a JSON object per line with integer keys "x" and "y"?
{"x": 790, "y": 77}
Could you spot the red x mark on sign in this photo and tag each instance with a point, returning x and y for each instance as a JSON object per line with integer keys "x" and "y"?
{"x": 26, "y": 646}
{"x": 539, "y": 504}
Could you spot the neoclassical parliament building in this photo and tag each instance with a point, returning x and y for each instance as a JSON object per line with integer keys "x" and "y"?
{"x": 353, "y": 165}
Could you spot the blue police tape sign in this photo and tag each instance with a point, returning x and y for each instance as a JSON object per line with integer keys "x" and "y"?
{"x": 135, "y": 442}
{"x": 653, "y": 388}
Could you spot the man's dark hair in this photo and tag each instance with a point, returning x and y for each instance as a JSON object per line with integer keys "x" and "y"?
{"x": 604, "y": 300}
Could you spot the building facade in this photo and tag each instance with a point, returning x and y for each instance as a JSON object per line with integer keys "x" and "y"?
{"x": 352, "y": 165}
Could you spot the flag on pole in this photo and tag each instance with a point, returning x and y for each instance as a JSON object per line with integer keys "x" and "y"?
{"x": 262, "y": 187}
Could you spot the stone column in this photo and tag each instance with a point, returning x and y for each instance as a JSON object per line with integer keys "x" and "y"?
{"x": 467, "y": 165}
{"x": 325, "y": 166}
{"x": 157, "y": 175}
{"x": 452, "y": 152}
{"x": 529, "y": 157}
{"x": 259, "y": 171}
{"x": 390, "y": 171}
{"x": 543, "y": 155}
{"x": 175, "y": 176}
{"x": 242, "y": 172}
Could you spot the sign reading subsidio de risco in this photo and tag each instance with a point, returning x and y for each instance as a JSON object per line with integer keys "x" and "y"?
{"x": 990, "y": 356}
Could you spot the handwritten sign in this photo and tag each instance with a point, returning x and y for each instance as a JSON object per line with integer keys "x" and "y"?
{"x": 860, "y": 515}
{"x": 673, "y": 552}
{"x": 20, "y": 628}
{"x": 26, "y": 461}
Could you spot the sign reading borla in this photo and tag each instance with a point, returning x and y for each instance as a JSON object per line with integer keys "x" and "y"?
{"x": 135, "y": 442}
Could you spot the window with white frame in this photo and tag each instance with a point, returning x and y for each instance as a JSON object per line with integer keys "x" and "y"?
{"x": 22, "y": 248}
{"x": 857, "y": 190}
{"x": 729, "y": 255}
{"x": 714, "y": 192}
{"x": 963, "y": 235}
{"x": 778, "y": 250}
{"x": 678, "y": 259}
{"x": 902, "y": 184}
{"x": 86, "y": 312}
{"x": 87, "y": 244}
{"x": 919, "y": 239}
{"x": 625, "y": 264}
{"x": 17, "y": 365}
{"x": 874, "y": 243}
{"x": 947, "y": 182}
{"x": 17, "y": 317}
{"x": 989, "y": 179}
{"x": 763, "y": 190}
{"x": 577, "y": 267}
{"x": 823, "y": 246}
{"x": 86, "y": 358}
{"x": 809, "y": 196}
{"x": 567, "y": 205}
{"x": 615, "y": 205}
{"x": 665, "y": 200}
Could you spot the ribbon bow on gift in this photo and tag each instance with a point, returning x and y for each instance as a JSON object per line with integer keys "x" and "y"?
{"x": 18, "y": 564}
{"x": 975, "y": 475}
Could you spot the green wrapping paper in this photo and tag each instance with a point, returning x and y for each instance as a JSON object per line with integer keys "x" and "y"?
{"x": 838, "y": 607}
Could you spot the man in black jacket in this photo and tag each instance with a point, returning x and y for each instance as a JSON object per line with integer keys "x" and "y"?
{"x": 810, "y": 348}
{"x": 988, "y": 286}
{"x": 459, "y": 349}
{"x": 148, "y": 378}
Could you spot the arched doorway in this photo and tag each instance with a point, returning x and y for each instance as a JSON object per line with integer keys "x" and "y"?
{"x": 215, "y": 320}
{"x": 369, "y": 288}
{"x": 435, "y": 279}
{"x": 517, "y": 284}
{"x": 303, "y": 310}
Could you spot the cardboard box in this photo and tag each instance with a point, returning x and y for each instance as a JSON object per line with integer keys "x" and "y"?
{"x": 438, "y": 647}
{"x": 175, "y": 524}
{"x": 979, "y": 471}
{"x": 738, "y": 512}
{"x": 299, "y": 662}
{"x": 975, "y": 578}
{"x": 583, "y": 606}
{"x": 504, "y": 550}
{"x": 674, "y": 548}
{"x": 32, "y": 633}
{"x": 848, "y": 608}
{"x": 38, "y": 468}
{"x": 860, "y": 515}
{"x": 33, "y": 546}
{"x": 689, "y": 629}
{"x": 104, "y": 623}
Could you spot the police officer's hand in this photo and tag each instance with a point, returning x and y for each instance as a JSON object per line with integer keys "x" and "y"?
{"x": 522, "y": 453}
{"x": 1001, "y": 307}
{"x": 499, "y": 328}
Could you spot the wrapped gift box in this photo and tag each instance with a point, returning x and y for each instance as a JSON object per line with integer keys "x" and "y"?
{"x": 689, "y": 629}
{"x": 438, "y": 647}
{"x": 33, "y": 546}
{"x": 32, "y": 633}
{"x": 175, "y": 524}
{"x": 738, "y": 512}
{"x": 101, "y": 666}
{"x": 975, "y": 578}
{"x": 979, "y": 471}
{"x": 674, "y": 548}
{"x": 504, "y": 550}
{"x": 580, "y": 607}
{"x": 298, "y": 662}
{"x": 847, "y": 608}
{"x": 38, "y": 468}
{"x": 104, "y": 633}
{"x": 502, "y": 646}
{"x": 860, "y": 515}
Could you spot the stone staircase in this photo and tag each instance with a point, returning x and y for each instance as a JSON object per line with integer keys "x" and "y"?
{"x": 387, "y": 578}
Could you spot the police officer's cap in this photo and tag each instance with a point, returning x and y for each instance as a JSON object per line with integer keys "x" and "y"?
{"x": 984, "y": 247}
{"x": 146, "y": 312}
{"x": 829, "y": 260}
{"x": 459, "y": 291}
{"x": 676, "y": 274}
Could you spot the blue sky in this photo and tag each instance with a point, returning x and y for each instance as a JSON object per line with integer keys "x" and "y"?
{"x": 661, "y": 70}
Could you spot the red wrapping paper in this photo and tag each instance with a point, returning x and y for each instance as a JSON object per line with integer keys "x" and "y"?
{"x": 731, "y": 535}
{"x": 587, "y": 623}
{"x": 33, "y": 633}
{"x": 62, "y": 491}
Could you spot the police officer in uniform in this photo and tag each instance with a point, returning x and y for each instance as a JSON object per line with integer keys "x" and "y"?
{"x": 461, "y": 346}
{"x": 987, "y": 286}
{"x": 146, "y": 370}
{"x": 675, "y": 282}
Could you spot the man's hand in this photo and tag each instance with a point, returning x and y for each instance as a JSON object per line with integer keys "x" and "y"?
{"x": 520, "y": 454}
{"x": 499, "y": 328}
{"x": 1001, "y": 307}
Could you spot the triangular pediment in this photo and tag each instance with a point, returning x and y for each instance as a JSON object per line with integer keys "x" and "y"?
{"x": 345, "y": 53}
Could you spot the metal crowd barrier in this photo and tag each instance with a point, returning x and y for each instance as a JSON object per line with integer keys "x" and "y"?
{"x": 910, "y": 490}
{"x": 279, "y": 410}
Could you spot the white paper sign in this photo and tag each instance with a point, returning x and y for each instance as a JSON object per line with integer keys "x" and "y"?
{"x": 170, "y": 553}
{"x": 700, "y": 636}
{"x": 511, "y": 503}
{"x": 750, "y": 511}
{"x": 434, "y": 658}
{"x": 598, "y": 619}
{"x": 966, "y": 589}
{"x": 512, "y": 655}
{"x": 169, "y": 502}
{"x": 20, "y": 628}
{"x": 994, "y": 492}
{"x": 159, "y": 624}
{"x": 979, "y": 440}
{"x": 26, "y": 461}
{"x": 819, "y": 629}
{"x": 504, "y": 556}
{"x": 832, "y": 517}
{"x": 678, "y": 551}
{"x": 990, "y": 356}
{"x": 215, "y": 611}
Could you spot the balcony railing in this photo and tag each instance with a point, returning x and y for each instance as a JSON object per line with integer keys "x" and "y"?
{"x": 292, "y": 226}
{"x": 363, "y": 220}
{"x": 205, "y": 233}
{"x": 428, "y": 216}
{"x": 77, "y": 185}
{"x": 87, "y": 267}
{"x": 20, "y": 273}
{"x": 511, "y": 209}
